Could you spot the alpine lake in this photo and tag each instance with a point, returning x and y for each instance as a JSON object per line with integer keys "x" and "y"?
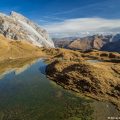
{"x": 27, "y": 94}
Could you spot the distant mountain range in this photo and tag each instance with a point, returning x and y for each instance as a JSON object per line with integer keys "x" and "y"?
{"x": 112, "y": 47}
{"x": 99, "y": 42}
{"x": 18, "y": 27}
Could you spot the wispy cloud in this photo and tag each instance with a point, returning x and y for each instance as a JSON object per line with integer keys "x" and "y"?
{"x": 98, "y": 8}
{"x": 76, "y": 9}
{"x": 53, "y": 18}
{"x": 83, "y": 25}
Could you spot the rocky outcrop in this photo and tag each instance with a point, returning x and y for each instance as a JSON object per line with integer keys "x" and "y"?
{"x": 18, "y": 27}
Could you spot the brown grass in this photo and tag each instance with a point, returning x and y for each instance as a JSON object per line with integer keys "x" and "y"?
{"x": 10, "y": 49}
{"x": 99, "y": 80}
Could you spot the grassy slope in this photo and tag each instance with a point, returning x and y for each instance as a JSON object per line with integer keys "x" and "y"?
{"x": 10, "y": 49}
{"x": 16, "y": 53}
{"x": 97, "y": 80}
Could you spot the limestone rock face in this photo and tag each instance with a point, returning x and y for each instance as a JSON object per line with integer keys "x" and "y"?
{"x": 18, "y": 27}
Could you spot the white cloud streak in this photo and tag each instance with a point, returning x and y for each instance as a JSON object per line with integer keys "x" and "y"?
{"x": 84, "y": 25}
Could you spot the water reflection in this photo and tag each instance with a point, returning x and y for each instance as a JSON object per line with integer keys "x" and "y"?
{"x": 29, "y": 95}
{"x": 26, "y": 94}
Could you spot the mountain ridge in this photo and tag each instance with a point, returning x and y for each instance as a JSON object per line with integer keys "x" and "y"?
{"x": 16, "y": 26}
{"x": 99, "y": 42}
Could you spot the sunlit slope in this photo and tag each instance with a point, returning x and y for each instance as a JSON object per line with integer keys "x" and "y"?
{"x": 10, "y": 49}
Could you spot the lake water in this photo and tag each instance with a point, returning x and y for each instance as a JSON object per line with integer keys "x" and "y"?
{"x": 26, "y": 94}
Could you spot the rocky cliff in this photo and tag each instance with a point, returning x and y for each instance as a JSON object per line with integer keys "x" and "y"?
{"x": 17, "y": 27}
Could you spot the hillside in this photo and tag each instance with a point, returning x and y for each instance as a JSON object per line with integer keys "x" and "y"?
{"x": 94, "y": 73}
{"x": 10, "y": 49}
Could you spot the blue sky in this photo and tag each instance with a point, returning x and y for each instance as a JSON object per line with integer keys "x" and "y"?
{"x": 50, "y": 12}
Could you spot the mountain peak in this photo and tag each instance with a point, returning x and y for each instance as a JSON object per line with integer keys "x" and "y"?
{"x": 13, "y": 13}
{"x": 18, "y": 27}
{"x": 18, "y": 16}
